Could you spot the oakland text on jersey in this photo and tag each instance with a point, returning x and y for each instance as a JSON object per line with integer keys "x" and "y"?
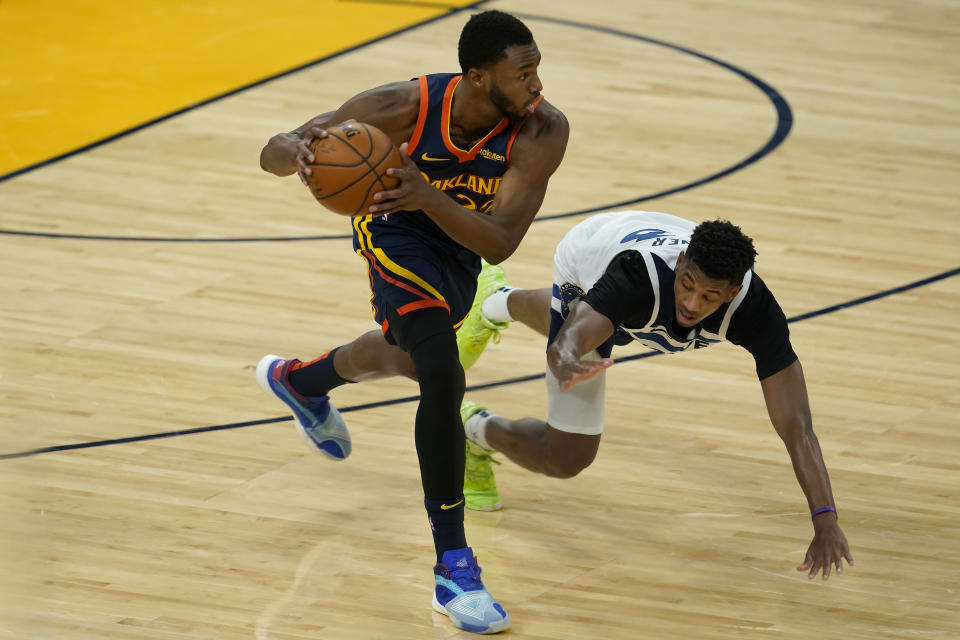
{"x": 483, "y": 188}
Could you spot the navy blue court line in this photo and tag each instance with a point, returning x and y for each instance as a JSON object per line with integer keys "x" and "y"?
{"x": 876, "y": 296}
{"x": 478, "y": 387}
{"x": 203, "y": 103}
{"x": 784, "y": 116}
{"x": 782, "y": 130}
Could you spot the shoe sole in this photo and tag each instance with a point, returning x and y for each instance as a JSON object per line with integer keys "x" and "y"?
{"x": 263, "y": 380}
{"x": 496, "y": 627}
{"x": 497, "y": 506}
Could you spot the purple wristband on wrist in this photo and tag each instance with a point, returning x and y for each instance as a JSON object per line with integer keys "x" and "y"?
{"x": 822, "y": 510}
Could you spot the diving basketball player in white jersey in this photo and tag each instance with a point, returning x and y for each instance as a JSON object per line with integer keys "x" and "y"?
{"x": 671, "y": 285}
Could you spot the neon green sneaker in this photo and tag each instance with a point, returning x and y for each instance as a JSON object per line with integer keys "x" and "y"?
{"x": 479, "y": 485}
{"x": 477, "y": 329}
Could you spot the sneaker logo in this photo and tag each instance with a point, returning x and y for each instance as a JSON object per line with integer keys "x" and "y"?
{"x": 471, "y": 608}
{"x": 462, "y": 563}
{"x": 451, "y": 506}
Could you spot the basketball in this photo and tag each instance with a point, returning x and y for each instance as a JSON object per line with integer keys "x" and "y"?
{"x": 350, "y": 165}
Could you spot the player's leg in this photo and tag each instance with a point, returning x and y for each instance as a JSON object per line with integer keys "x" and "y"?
{"x": 369, "y": 357}
{"x": 305, "y": 387}
{"x": 495, "y": 306}
{"x": 528, "y": 306}
{"x": 421, "y": 292}
{"x": 535, "y": 445}
{"x": 562, "y": 446}
{"x": 494, "y": 309}
{"x": 427, "y": 335}
{"x": 568, "y": 441}
{"x": 477, "y": 329}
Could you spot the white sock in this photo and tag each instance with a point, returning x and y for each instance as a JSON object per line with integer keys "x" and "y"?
{"x": 495, "y": 306}
{"x": 476, "y": 428}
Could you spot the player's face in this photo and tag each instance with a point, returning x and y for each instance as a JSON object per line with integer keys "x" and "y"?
{"x": 697, "y": 295}
{"x": 514, "y": 83}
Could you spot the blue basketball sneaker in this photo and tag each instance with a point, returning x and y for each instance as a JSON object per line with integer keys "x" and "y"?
{"x": 316, "y": 419}
{"x": 460, "y": 594}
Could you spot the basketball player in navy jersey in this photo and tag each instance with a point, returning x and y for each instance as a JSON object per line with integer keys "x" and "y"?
{"x": 671, "y": 285}
{"x": 478, "y": 148}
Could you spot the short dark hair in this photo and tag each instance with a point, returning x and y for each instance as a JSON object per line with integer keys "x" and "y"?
{"x": 486, "y": 36}
{"x": 721, "y": 250}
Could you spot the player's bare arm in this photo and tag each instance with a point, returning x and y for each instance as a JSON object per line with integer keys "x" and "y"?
{"x": 785, "y": 393}
{"x": 584, "y": 330}
{"x": 536, "y": 154}
{"x": 392, "y": 108}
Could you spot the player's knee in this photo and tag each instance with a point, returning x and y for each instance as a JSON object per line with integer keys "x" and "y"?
{"x": 438, "y": 366}
{"x": 567, "y": 467}
{"x": 570, "y": 459}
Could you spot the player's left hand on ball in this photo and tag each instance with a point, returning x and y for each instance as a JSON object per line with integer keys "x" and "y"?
{"x": 827, "y": 551}
{"x": 304, "y": 154}
{"x": 412, "y": 194}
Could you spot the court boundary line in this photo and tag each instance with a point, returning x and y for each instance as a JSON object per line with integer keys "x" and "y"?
{"x": 488, "y": 385}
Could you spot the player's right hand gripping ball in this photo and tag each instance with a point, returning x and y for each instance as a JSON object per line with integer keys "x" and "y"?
{"x": 350, "y": 165}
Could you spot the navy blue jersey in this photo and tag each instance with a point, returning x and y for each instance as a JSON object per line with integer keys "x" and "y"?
{"x": 412, "y": 263}
{"x": 469, "y": 176}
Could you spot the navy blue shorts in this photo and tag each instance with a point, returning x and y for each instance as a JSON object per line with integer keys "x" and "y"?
{"x": 411, "y": 269}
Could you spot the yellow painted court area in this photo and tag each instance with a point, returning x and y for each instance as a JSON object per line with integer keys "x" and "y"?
{"x": 73, "y": 73}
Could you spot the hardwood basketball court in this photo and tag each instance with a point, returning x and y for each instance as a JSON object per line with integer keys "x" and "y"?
{"x": 151, "y": 490}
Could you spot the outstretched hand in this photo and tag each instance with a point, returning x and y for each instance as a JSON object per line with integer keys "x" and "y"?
{"x": 412, "y": 194}
{"x": 572, "y": 372}
{"x": 827, "y": 550}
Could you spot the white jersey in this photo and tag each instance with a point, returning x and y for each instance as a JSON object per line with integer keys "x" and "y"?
{"x": 585, "y": 252}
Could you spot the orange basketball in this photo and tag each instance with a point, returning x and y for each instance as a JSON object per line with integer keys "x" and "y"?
{"x": 350, "y": 165}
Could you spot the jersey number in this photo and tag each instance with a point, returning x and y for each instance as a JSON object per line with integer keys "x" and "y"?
{"x": 468, "y": 203}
